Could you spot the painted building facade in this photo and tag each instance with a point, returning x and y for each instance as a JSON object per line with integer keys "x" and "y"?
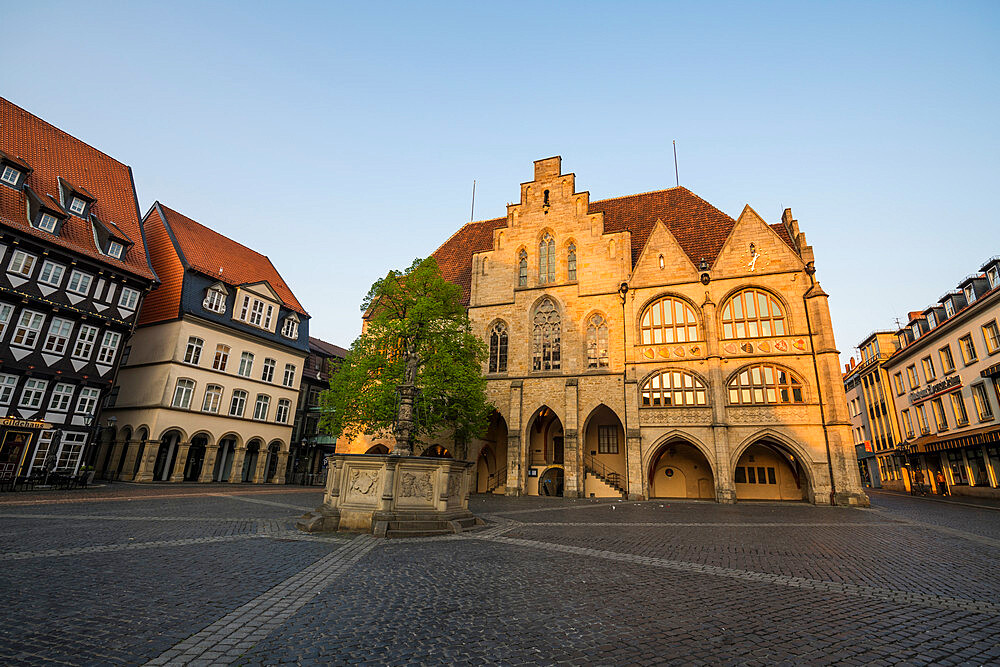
{"x": 946, "y": 384}
{"x": 74, "y": 275}
{"x": 212, "y": 376}
{"x": 651, "y": 346}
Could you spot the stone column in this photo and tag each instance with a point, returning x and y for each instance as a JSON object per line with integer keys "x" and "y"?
{"x": 633, "y": 439}
{"x": 131, "y": 451}
{"x": 116, "y": 455}
{"x": 236, "y": 473}
{"x": 516, "y": 450}
{"x": 145, "y": 473}
{"x": 208, "y": 465}
{"x": 261, "y": 471}
{"x": 725, "y": 485}
{"x": 279, "y": 475}
{"x": 180, "y": 461}
{"x": 573, "y": 474}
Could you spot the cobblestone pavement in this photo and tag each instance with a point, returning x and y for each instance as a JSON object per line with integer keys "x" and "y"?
{"x": 215, "y": 574}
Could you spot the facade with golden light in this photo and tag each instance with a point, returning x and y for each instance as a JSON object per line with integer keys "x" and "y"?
{"x": 651, "y": 346}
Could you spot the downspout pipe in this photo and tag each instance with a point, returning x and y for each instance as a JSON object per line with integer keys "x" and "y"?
{"x": 811, "y": 272}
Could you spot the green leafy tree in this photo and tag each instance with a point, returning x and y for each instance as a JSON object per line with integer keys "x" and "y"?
{"x": 416, "y": 329}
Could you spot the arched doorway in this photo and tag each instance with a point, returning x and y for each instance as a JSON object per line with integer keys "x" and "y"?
{"x": 491, "y": 462}
{"x": 437, "y": 451}
{"x": 550, "y": 483}
{"x": 164, "y": 465}
{"x": 272, "y": 461}
{"x": 545, "y": 447}
{"x": 224, "y": 459}
{"x": 767, "y": 470}
{"x": 604, "y": 454}
{"x": 680, "y": 470}
{"x": 250, "y": 460}
{"x": 196, "y": 458}
{"x": 378, "y": 450}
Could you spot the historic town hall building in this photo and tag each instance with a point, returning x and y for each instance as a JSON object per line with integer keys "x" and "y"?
{"x": 653, "y": 345}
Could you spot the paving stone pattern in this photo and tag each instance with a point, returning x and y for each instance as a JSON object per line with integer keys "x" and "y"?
{"x": 188, "y": 575}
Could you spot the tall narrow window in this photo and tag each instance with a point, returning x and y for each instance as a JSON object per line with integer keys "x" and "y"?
{"x": 545, "y": 337}
{"x": 982, "y": 401}
{"x": 238, "y": 403}
{"x": 26, "y": 333}
{"x": 547, "y": 259}
{"x": 942, "y": 420}
{"x": 192, "y": 355}
{"x": 289, "y": 378}
{"x": 968, "y": 349}
{"x": 947, "y": 361}
{"x": 221, "y": 357}
{"x": 498, "y": 348}
{"x": 597, "y": 342}
{"x": 958, "y": 407}
{"x": 109, "y": 347}
{"x": 752, "y": 314}
{"x": 182, "y": 393}
{"x": 261, "y": 406}
{"x": 59, "y": 331}
{"x": 522, "y": 269}
{"x": 213, "y": 398}
{"x": 607, "y": 439}
{"x": 267, "y": 375}
{"x": 281, "y": 412}
{"x": 246, "y": 364}
{"x": 571, "y": 262}
{"x": 5, "y": 313}
{"x": 87, "y": 401}
{"x": 668, "y": 320}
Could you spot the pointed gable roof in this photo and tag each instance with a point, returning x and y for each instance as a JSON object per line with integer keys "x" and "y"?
{"x": 206, "y": 251}
{"x": 52, "y": 154}
{"x": 700, "y": 229}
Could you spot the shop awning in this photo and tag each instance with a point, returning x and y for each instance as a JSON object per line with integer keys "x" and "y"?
{"x": 991, "y": 371}
{"x": 935, "y": 443}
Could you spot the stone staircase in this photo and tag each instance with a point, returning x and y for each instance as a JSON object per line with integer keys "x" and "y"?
{"x": 596, "y": 485}
{"x": 418, "y": 525}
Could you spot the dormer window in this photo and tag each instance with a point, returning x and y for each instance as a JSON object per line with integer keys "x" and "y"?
{"x": 47, "y": 222}
{"x": 256, "y": 312}
{"x": 10, "y": 175}
{"x": 994, "y": 275}
{"x": 215, "y": 299}
{"x": 77, "y": 205}
{"x": 290, "y": 327}
{"x": 915, "y": 328}
{"x": 931, "y": 320}
{"x": 970, "y": 293}
{"x": 115, "y": 249}
{"x": 949, "y": 308}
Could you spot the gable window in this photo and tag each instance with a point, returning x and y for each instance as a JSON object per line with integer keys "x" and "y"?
{"x": 752, "y": 313}
{"x": 59, "y": 330}
{"x": 192, "y": 355}
{"x": 215, "y": 300}
{"x": 109, "y": 346}
{"x": 968, "y": 349}
{"x": 246, "y": 364}
{"x": 256, "y": 312}
{"x": 79, "y": 282}
{"x": 7, "y": 385}
{"x": 522, "y": 269}
{"x": 6, "y": 311}
{"x": 289, "y": 379}
{"x": 267, "y": 375}
{"x": 21, "y": 263}
{"x": 290, "y": 328}
{"x": 26, "y": 333}
{"x": 607, "y": 439}
{"x": 947, "y": 361}
{"x": 77, "y": 205}
{"x": 62, "y": 394}
{"x": 261, "y": 406}
{"x": 10, "y": 175}
{"x": 597, "y": 342}
{"x": 992, "y": 337}
{"x": 571, "y": 262}
{"x": 47, "y": 222}
{"x": 32, "y": 393}
{"x": 668, "y": 320}
{"x": 764, "y": 384}
{"x": 498, "y": 348}
{"x": 238, "y": 403}
{"x": 221, "y": 357}
{"x": 547, "y": 329}
{"x": 128, "y": 299}
{"x": 547, "y": 259}
{"x": 182, "y": 393}
{"x": 672, "y": 389}
{"x": 51, "y": 273}
{"x": 213, "y": 399}
{"x": 85, "y": 342}
{"x": 281, "y": 412}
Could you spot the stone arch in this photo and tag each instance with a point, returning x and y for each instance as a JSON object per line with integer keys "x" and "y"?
{"x": 551, "y": 481}
{"x": 168, "y": 429}
{"x": 789, "y": 320}
{"x": 228, "y": 443}
{"x": 200, "y": 442}
{"x": 170, "y": 440}
{"x": 490, "y": 456}
{"x": 605, "y": 469}
{"x": 209, "y": 438}
{"x": 274, "y": 448}
{"x": 255, "y": 449}
{"x": 699, "y": 317}
{"x": 671, "y": 468}
{"x": 543, "y": 440}
{"x": 786, "y": 456}
{"x": 378, "y": 450}
{"x": 782, "y": 440}
{"x": 437, "y": 451}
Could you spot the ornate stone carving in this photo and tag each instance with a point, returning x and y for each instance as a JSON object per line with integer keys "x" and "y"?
{"x": 453, "y": 484}
{"x": 768, "y": 414}
{"x": 415, "y": 486}
{"x": 363, "y": 482}
{"x": 671, "y": 416}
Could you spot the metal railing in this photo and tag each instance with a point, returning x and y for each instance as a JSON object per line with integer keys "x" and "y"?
{"x": 496, "y": 480}
{"x": 606, "y": 474}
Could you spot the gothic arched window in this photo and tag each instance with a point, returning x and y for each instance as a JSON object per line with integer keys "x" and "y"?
{"x": 764, "y": 383}
{"x": 498, "y": 348}
{"x": 545, "y": 337}
{"x": 547, "y": 259}
{"x": 571, "y": 262}
{"x": 522, "y": 269}
{"x": 753, "y": 313}
{"x": 668, "y": 320}
{"x": 672, "y": 389}
{"x": 597, "y": 342}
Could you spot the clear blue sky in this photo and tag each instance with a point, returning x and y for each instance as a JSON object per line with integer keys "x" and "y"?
{"x": 342, "y": 139}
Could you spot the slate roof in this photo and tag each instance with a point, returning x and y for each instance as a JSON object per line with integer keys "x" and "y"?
{"x": 700, "y": 229}
{"x": 52, "y": 153}
{"x": 327, "y": 348}
{"x": 206, "y": 251}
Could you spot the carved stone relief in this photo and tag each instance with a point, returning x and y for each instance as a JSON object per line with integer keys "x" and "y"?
{"x": 768, "y": 414}
{"x": 362, "y": 483}
{"x": 671, "y": 416}
{"x": 416, "y": 486}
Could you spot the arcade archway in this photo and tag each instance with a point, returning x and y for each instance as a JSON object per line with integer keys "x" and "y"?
{"x": 680, "y": 470}
{"x": 769, "y": 470}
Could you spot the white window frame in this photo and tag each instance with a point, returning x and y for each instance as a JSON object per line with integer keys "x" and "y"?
{"x": 86, "y": 337}
{"x": 60, "y": 329}
{"x": 183, "y": 393}
{"x": 28, "y": 331}
{"x": 109, "y": 347}
{"x": 246, "y": 364}
{"x": 22, "y": 263}
{"x": 212, "y": 402}
{"x": 267, "y": 374}
{"x": 289, "y": 379}
{"x": 290, "y": 329}
{"x": 970, "y": 294}
{"x": 51, "y": 273}
{"x": 239, "y": 398}
{"x": 221, "y": 359}
{"x": 128, "y": 299}
{"x": 282, "y": 410}
{"x": 62, "y": 396}
{"x": 6, "y": 310}
{"x": 8, "y": 383}
{"x": 192, "y": 353}
{"x": 77, "y": 280}
{"x": 86, "y": 403}
{"x": 993, "y": 274}
{"x": 261, "y": 407}
{"x": 115, "y": 249}
{"x": 32, "y": 393}
{"x": 949, "y": 308}
{"x": 77, "y": 205}
{"x": 47, "y": 222}
{"x": 70, "y": 452}
{"x": 10, "y": 175}
{"x": 215, "y": 300}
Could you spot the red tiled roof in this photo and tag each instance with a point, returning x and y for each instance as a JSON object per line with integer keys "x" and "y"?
{"x": 700, "y": 229}
{"x": 328, "y": 348}
{"x": 206, "y": 251}
{"x": 52, "y": 153}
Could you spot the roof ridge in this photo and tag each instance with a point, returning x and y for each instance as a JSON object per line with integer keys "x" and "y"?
{"x": 259, "y": 254}
{"x": 61, "y": 131}
{"x": 639, "y": 194}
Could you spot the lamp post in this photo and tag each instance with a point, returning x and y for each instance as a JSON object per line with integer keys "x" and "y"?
{"x": 623, "y": 294}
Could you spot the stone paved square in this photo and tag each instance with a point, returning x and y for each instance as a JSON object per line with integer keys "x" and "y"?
{"x": 216, "y": 574}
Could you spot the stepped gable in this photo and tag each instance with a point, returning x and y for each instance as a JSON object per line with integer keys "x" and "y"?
{"x": 51, "y": 153}
{"x": 700, "y": 229}
{"x": 206, "y": 251}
